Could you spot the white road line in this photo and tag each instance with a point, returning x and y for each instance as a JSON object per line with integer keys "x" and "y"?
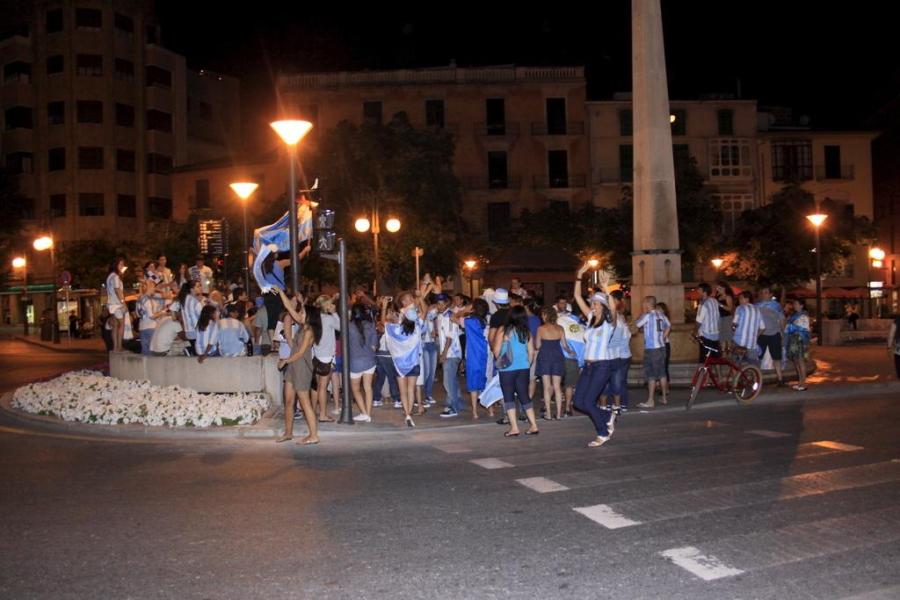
{"x": 837, "y": 446}
{"x": 453, "y": 448}
{"x": 606, "y": 516}
{"x": 768, "y": 434}
{"x": 490, "y": 463}
{"x": 542, "y": 485}
{"x": 705, "y": 567}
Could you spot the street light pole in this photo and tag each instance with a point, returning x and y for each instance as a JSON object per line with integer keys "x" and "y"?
{"x": 818, "y": 291}
{"x": 376, "y": 229}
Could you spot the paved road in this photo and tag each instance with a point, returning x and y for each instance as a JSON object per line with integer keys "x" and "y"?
{"x": 21, "y": 362}
{"x": 772, "y": 501}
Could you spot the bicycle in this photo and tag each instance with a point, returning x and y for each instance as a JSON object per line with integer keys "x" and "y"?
{"x": 744, "y": 381}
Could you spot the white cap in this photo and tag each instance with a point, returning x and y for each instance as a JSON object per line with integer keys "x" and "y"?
{"x": 601, "y": 298}
{"x": 501, "y": 296}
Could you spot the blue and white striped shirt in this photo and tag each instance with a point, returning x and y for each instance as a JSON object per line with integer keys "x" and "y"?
{"x": 191, "y": 314}
{"x": 620, "y": 342}
{"x": 209, "y": 337}
{"x": 654, "y": 324}
{"x": 708, "y": 317}
{"x": 596, "y": 342}
{"x": 748, "y": 324}
{"x": 233, "y": 338}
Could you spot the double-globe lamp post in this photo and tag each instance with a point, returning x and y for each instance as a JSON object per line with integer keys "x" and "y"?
{"x": 244, "y": 190}
{"x": 817, "y": 220}
{"x": 291, "y": 131}
{"x": 363, "y": 224}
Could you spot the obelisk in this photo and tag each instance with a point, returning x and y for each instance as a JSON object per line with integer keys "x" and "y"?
{"x": 656, "y": 262}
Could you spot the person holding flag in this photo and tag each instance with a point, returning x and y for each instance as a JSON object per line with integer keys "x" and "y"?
{"x": 404, "y": 342}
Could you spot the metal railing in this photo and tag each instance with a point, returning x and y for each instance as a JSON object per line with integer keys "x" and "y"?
{"x": 483, "y": 182}
{"x": 569, "y": 128}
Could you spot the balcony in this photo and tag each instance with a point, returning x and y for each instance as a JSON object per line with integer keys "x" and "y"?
{"x": 545, "y": 182}
{"x": 845, "y": 173}
{"x": 507, "y": 129}
{"x": 472, "y": 183}
{"x": 570, "y": 128}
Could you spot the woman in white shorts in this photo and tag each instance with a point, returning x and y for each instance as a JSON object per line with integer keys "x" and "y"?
{"x": 115, "y": 302}
{"x": 362, "y": 342}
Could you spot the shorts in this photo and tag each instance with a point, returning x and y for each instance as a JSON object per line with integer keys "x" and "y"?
{"x": 703, "y": 351}
{"x": 414, "y": 372}
{"x": 572, "y": 373}
{"x": 369, "y": 371}
{"x": 654, "y": 363}
{"x": 300, "y": 374}
{"x": 772, "y": 343}
{"x": 117, "y": 310}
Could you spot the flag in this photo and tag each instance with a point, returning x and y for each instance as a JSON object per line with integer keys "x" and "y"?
{"x": 574, "y": 336}
{"x": 278, "y": 233}
{"x": 492, "y": 393}
{"x": 404, "y": 348}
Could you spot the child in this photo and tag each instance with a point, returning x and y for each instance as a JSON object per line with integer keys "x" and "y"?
{"x": 656, "y": 329}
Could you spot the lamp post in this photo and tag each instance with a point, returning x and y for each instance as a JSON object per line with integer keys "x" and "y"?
{"x": 291, "y": 132}
{"x": 244, "y": 190}
{"x": 45, "y": 242}
{"x": 363, "y": 224}
{"x": 20, "y": 262}
{"x": 876, "y": 260}
{"x": 470, "y": 268}
{"x": 817, "y": 220}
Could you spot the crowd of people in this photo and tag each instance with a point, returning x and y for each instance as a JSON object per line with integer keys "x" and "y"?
{"x": 509, "y": 347}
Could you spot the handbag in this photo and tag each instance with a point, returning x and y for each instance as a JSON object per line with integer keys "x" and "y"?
{"x": 320, "y": 368}
{"x": 506, "y": 358}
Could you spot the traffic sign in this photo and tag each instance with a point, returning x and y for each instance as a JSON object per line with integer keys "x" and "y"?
{"x": 65, "y": 278}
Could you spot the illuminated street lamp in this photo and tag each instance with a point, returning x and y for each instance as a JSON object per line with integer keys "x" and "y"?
{"x": 291, "y": 132}
{"x": 817, "y": 220}
{"x": 364, "y": 224}
{"x": 392, "y": 225}
{"x": 470, "y": 267}
{"x": 717, "y": 263}
{"x": 244, "y": 190}
{"x": 20, "y": 262}
{"x": 45, "y": 242}
{"x": 876, "y": 261}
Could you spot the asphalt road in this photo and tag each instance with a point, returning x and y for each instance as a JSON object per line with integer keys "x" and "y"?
{"x": 21, "y": 362}
{"x": 783, "y": 500}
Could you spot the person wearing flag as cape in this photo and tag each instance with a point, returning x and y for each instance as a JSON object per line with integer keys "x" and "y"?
{"x": 404, "y": 342}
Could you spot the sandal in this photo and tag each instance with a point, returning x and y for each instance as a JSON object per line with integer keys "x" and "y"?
{"x": 284, "y": 438}
{"x": 598, "y": 442}
{"x": 510, "y": 434}
{"x": 535, "y": 432}
{"x": 326, "y": 420}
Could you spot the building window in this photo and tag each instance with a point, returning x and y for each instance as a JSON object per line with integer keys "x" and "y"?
{"x": 556, "y": 116}
{"x": 558, "y": 168}
{"x": 158, "y": 120}
{"x": 89, "y": 65}
{"x": 20, "y": 163}
{"x": 56, "y": 113}
{"x": 679, "y": 125}
{"x": 124, "y": 69}
{"x": 17, "y": 71}
{"x": 626, "y": 122}
{"x": 55, "y": 64}
{"x": 730, "y": 157}
{"x": 792, "y": 160}
{"x": 832, "y": 162}
{"x": 498, "y": 219}
{"x": 125, "y": 160}
{"x": 18, "y": 117}
{"x": 88, "y": 18}
{"x": 54, "y": 22}
{"x": 57, "y": 206}
{"x": 498, "y": 177}
{"x": 434, "y": 113}
{"x": 732, "y": 207}
{"x": 626, "y": 162}
{"x": 159, "y": 77}
{"x": 126, "y": 205}
{"x": 90, "y": 157}
{"x": 89, "y": 111}
{"x": 90, "y": 204}
{"x": 28, "y": 209}
{"x": 124, "y": 115}
{"x": 725, "y": 118}
{"x": 201, "y": 193}
{"x": 372, "y": 113}
{"x": 495, "y": 116}
{"x": 123, "y": 24}
{"x": 681, "y": 154}
{"x": 159, "y": 207}
{"x": 159, "y": 163}
{"x": 56, "y": 159}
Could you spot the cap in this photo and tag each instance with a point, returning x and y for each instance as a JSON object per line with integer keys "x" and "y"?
{"x": 501, "y": 296}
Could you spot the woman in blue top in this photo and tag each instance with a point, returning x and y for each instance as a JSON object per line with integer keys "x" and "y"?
{"x": 515, "y": 348}
{"x": 797, "y": 334}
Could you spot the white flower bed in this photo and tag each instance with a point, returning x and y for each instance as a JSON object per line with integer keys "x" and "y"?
{"x": 91, "y": 397}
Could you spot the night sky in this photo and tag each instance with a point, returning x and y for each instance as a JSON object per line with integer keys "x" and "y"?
{"x": 837, "y": 62}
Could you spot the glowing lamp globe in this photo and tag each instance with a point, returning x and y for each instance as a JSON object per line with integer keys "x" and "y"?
{"x": 362, "y": 225}
{"x": 392, "y": 225}
{"x": 19, "y": 262}
{"x": 817, "y": 219}
{"x": 291, "y": 131}
{"x": 244, "y": 189}
{"x": 43, "y": 243}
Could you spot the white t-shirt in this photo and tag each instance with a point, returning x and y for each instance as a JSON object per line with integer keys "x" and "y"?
{"x": 165, "y": 274}
{"x": 449, "y": 330}
{"x": 113, "y": 290}
{"x": 147, "y": 307}
{"x": 326, "y": 347}
{"x": 165, "y": 335}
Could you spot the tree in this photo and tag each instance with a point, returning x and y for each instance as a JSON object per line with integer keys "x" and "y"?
{"x": 774, "y": 244}
{"x": 12, "y": 205}
{"x": 409, "y": 173}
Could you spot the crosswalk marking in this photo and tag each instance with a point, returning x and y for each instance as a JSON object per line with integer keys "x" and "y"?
{"x": 490, "y": 463}
{"x": 703, "y": 566}
{"x": 542, "y": 485}
{"x": 768, "y": 434}
{"x": 606, "y": 516}
{"x": 838, "y": 446}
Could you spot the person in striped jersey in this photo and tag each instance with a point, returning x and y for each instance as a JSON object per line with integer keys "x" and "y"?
{"x": 233, "y": 335}
{"x": 207, "y": 342}
{"x": 747, "y": 325}
{"x": 707, "y": 323}
{"x": 656, "y": 329}
{"x": 191, "y": 301}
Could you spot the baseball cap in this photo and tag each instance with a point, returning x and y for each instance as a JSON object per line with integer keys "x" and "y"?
{"x": 501, "y": 296}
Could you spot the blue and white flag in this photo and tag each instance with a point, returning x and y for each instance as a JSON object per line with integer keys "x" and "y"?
{"x": 278, "y": 233}
{"x": 492, "y": 393}
{"x": 574, "y": 336}
{"x": 266, "y": 281}
{"x": 404, "y": 348}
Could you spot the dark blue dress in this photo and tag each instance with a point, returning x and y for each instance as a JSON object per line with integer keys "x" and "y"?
{"x": 550, "y": 359}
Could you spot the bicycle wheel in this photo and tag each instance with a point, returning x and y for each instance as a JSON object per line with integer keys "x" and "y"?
{"x": 696, "y": 385}
{"x": 747, "y": 384}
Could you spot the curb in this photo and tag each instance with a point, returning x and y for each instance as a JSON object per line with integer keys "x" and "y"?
{"x": 53, "y": 347}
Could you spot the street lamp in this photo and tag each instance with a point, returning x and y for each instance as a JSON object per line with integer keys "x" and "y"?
{"x": 364, "y": 224}
{"x": 392, "y": 225}
{"x": 470, "y": 267}
{"x": 244, "y": 190}
{"x": 817, "y": 220}
{"x": 20, "y": 262}
{"x": 876, "y": 261}
{"x": 45, "y": 242}
{"x": 717, "y": 263}
{"x": 291, "y": 131}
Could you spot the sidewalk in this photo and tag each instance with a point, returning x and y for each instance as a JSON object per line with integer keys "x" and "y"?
{"x": 94, "y": 344}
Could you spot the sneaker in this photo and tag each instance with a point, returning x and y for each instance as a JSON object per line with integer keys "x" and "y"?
{"x": 398, "y": 404}
{"x": 800, "y": 388}
{"x": 377, "y": 403}
{"x": 298, "y": 414}
{"x": 449, "y": 413}
{"x": 611, "y": 423}
{"x": 362, "y": 418}
{"x": 409, "y": 422}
